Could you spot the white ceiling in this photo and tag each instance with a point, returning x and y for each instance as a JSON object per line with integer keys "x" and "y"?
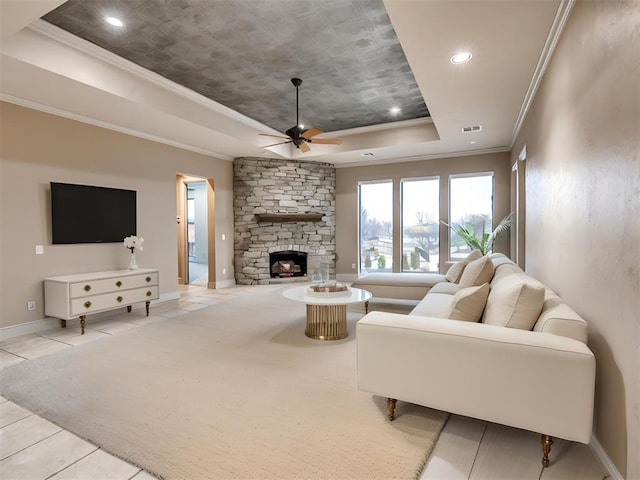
{"x": 49, "y": 69}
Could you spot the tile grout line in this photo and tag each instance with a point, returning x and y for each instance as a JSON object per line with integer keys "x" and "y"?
{"x": 484, "y": 431}
{"x": 36, "y": 443}
{"x": 20, "y": 419}
{"x": 76, "y": 461}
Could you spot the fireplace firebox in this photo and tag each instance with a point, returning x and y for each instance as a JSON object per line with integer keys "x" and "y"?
{"x": 288, "y": 263}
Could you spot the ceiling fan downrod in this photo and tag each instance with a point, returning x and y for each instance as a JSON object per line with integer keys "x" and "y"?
{"x": 296, "y": 83}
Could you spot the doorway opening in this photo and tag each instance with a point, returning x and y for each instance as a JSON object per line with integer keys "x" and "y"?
{"x": 196, "y": 258}
{"x": 197, "y": 249}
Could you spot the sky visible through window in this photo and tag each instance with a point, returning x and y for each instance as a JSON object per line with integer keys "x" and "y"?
{"x": 470, "y": 195}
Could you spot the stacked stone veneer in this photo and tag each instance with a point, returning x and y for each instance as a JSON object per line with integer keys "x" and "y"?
{"x": 263, "y": 185}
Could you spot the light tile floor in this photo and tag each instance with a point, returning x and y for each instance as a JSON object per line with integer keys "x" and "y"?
{"x": 31, "y": 448}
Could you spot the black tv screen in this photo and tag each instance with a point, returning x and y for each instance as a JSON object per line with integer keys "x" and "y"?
{"x": 88, "y": 214}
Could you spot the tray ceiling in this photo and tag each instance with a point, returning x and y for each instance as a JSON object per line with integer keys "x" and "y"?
{"x": 242, "y": 54}
{"x": 357, "y": 59}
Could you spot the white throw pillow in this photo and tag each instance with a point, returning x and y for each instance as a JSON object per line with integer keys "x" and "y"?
{"x": 477, "y": 272}
{"x": 455, "y": 271}
{"x": 515, "y": 303}
{"x": 468, "y": 303}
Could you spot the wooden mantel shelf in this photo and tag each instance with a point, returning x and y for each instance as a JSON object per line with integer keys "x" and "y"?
{"x": 289, "y": 217}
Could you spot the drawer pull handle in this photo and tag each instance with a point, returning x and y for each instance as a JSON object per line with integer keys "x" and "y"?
{"x": 119, "y": 299}
{"x": 148, "y": 279}
{"x": 87, "y": 304}
{"x": 118, "y": 283}
{"x": 87, "y": 288}
{"x": 149, "y": 293}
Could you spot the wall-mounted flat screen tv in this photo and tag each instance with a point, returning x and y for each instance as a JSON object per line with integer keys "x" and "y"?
{"x": 89, "y": 214}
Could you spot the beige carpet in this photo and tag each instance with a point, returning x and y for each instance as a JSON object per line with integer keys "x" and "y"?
{"x": 233, "y": 391}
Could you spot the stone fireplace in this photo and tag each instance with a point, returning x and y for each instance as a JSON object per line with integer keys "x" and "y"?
{"x": 282, "y": 206}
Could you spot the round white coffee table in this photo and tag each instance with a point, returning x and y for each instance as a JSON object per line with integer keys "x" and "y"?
{"x": 327, "y": 315}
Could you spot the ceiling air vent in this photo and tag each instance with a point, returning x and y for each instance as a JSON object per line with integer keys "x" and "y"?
{"x": 474, "y": 128}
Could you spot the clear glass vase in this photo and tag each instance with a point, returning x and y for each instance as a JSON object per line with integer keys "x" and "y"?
{"x": 132, "y": 262}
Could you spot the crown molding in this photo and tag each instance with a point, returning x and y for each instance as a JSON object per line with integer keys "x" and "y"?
{"x": 72, "y": 41}
{"x": 110, "y": 126}
{"x": 415, "y": 158}
{"x": 415, "y": 122}
{"x": 557, "y": 27}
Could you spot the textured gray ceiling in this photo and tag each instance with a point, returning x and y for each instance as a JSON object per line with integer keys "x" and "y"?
{"x": 243, "y": 53}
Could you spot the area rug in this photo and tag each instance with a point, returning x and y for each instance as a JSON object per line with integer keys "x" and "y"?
{"x": 233, "y": 391}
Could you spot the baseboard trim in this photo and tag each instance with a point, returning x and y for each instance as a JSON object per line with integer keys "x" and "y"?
{"x": 605, "y": 462}
{"x": 346, "y": 277}
{"x": 49, "y": 323}
{"x": 224, "y": 284}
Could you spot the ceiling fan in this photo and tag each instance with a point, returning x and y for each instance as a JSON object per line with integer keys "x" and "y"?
{"x": 298, "y": 135}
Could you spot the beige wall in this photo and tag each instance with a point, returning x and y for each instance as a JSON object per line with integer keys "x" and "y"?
{"x": 37, "y": 148}
{"x": 347, "y": 199}
{"x": 583, "y": 203}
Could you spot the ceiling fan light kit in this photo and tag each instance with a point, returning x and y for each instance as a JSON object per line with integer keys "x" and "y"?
{"x": 298, "y": 135}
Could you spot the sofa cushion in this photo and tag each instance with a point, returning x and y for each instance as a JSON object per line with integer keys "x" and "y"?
{"x": 514, "y": 302}
{"x": 434, "y": 305}
{"x": 405, "y": 286}
{"x": 477, "y": 272}
{"x": 445, "y": 287}
{"x": 455, "y": 271}
{"x": 468, "y": 303}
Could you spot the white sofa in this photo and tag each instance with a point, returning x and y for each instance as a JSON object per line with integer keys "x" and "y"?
{"x": 540, "y": 379}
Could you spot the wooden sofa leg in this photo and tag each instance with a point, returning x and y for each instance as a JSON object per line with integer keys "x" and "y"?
{"x": 547, "y": 441}
{"x": 366, "y": 306}
{"x": 391, "y": 408}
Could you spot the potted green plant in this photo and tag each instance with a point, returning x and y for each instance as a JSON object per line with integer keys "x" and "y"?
{"x": 484, "y": 243}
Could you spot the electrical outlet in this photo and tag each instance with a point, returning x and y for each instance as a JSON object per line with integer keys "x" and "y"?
{"x": 224, "y": 271}
{"x": 353, "y": 266}
{"x": 39, "y": 249}
{"x": 31, "y": 305}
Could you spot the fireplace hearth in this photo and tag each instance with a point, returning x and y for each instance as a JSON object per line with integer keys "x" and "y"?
{"x": 288, "y": 263}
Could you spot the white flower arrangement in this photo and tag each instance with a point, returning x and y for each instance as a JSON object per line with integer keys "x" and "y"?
{"x": 132, "y": 242}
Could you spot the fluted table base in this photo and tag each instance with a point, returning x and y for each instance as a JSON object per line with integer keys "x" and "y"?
{"x": 326, "y": 322}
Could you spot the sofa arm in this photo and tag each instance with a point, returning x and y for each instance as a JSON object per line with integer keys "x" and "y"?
{"x": 535, "y": 381}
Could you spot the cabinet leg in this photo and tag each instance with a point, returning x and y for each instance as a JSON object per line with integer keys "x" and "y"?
{"x": 146, "y": 304}
{"x": 128, "y": 308}
{"x": 63, "y": 323}
{"x": 83, "y": 319}
{"x": 547, "y": 441}
{"x": 391, "y": 408}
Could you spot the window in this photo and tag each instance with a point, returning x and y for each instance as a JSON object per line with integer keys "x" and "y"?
{"x": 420, "y": 219}
{"x": 375, "y": 200}
{"x": 471, "y": 207}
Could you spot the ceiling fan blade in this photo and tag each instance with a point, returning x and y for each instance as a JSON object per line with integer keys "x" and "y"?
{"x": 304, "y": 147}
{"x": 326, "y": 141}
{"x": 274, "y": 144}
{"x": 274, "y": 136}
{"x": 312, "y": 132}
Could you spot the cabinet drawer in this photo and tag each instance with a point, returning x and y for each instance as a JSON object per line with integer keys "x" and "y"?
{"x": 115, "y": 284}
{"x": 106, "y": 301}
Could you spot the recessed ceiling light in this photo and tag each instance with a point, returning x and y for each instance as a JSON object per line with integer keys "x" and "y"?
{"x": 462, "y": 57}
{"x": 301, "y": 126}
{"x": 113, "y": 21}
{"x": 367, "y": 154}
{"x": 472, "y": 142}
{"x": 395, "y": 110}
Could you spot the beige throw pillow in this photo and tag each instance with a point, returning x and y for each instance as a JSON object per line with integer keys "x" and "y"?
{"x": 477, "y": 272}
{"x": 515, "y": 303}
{"x": 455, "y": 271}
{"x": 468, "y": 303}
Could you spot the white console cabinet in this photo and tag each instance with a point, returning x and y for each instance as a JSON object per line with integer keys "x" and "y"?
{"x": 75, "y": 296}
